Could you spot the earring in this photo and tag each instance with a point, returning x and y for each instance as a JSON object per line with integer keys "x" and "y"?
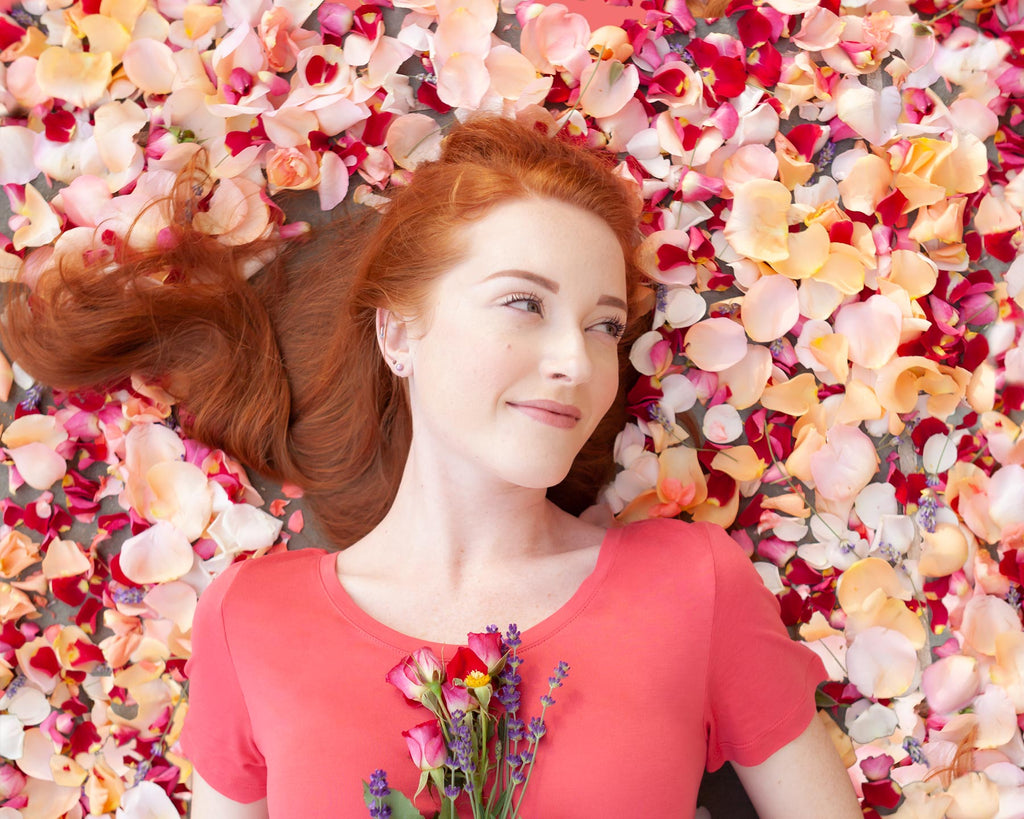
{"x": 380, "y": 332}
{"x": 399, "y": 366}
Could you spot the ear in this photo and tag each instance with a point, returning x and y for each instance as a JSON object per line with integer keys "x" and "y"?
{"x": 393, "y": 340}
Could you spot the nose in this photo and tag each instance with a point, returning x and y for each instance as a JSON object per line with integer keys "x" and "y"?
{"x": 566, "y": 355}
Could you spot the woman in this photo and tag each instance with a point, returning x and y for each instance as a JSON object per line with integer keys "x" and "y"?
{"x": 446, "y": 429}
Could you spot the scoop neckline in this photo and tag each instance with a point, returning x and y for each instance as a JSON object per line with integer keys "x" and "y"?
{"x": 532, "y": 636}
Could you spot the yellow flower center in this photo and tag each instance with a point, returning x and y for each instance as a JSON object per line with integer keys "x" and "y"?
{"x": 477, "y": 679}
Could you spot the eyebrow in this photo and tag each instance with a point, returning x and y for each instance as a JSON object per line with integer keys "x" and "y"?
{"x": 548, "y": 284}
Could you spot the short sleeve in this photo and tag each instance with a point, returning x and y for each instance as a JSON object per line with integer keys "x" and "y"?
{"x": 761, "y": 682}
{"x": 217, "y": 737}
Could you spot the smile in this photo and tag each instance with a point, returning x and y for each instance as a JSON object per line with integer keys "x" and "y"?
{"x": 551, "y": 413}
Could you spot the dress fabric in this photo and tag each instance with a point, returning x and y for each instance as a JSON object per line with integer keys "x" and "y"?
{"x": 678, "y": 657}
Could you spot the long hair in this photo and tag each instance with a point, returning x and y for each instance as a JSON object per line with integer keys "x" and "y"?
{"x": 282, "y": 371}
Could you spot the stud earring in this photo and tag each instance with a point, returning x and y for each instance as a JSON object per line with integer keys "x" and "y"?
{"x": 380, "y": 332}
{"x": 399, "y": 366}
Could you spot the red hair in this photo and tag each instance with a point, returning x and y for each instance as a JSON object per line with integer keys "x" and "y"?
{"x": 283, "y": 371}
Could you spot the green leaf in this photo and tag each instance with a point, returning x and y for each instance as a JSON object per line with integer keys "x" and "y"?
{"x": 615, "y": 71}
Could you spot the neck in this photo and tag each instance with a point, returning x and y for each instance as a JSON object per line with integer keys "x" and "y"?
{"x": 452, "y": 524}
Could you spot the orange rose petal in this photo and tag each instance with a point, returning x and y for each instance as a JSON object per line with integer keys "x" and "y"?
{"x": 81, "y": 78}
{"x": 808, "y": 251}
{"x": 758, "y": 225}
{"x": 793, "y": 397}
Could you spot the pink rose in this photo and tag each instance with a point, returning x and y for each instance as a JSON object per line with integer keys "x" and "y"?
{"x": 487, "y": 646}
{"x": 296, "y": 169}
{"x": 458, "y": 698}
{"x": 426, "y": 745}
{"x": 413, "y": 675}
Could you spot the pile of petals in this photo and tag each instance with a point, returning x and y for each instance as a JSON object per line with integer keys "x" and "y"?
{"x": 833, "y": 200}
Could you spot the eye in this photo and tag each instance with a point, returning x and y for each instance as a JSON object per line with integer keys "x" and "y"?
{"x": 527, "y": 302}
{"x": 612, "y": 326}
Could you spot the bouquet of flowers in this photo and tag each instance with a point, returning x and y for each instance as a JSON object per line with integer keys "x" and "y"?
{"x": 475, "y": 743}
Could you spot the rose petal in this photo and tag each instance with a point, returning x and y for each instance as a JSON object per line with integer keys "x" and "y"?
{"x": 39, "y": 465}
{"x": 950, "y": 683}
{"x": 722, "y": 424}
{"x": 156, "y": 555}
{"x": 771, "y": 307}
{"x": 241, "y": 527}
{"x": 181, "y": 496}
{"x": 607, "y": 86}
{"x": 758, "y": 226}
{"x": 412, "y": 139}
{"x": 716, "y": 344}
{"x": 881, "y": 663}
{"x": 79, "y": 77}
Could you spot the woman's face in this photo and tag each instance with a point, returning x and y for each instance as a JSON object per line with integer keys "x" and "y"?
{"x": 514, "y": 361}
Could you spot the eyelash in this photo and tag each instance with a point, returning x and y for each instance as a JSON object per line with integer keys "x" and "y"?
{"x": 618, "y": 327}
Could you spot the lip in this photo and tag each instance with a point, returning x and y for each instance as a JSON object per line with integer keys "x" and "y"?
{"x": 551, "y": 413}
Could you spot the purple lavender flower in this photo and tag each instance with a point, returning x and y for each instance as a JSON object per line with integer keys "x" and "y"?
{"x": 379, "y": 790}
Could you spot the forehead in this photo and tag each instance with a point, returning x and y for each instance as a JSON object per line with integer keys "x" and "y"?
{"x": 557, "y": 240}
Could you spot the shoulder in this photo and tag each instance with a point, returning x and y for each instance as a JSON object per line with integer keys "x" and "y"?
{"x": 675, "y": 536}
{"x": 262, "y": 583}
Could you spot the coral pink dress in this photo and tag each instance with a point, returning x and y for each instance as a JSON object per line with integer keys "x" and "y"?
{"x": 678, "y": 661}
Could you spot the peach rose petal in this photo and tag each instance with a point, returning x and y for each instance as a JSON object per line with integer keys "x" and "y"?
{"x": 174, "y": 601}
{"x": 463, "y": 81}
{"x": 412, "y": 139}
{"x": 758, "y": 226}
{"x": 914, "y": 272}
{"x": 747, "y": 378}
{"x": 715, "y": 344}
{"x": 333, "y": 181}
{"x": 64, "y": 558}
{"x": 974, "y": 796}
{"x": 116, "y": 125}
{"x": 157, "y": 554}
{"x": 872, "y": 329}
{"x": 34, "y": 429}
{"x": 16, "y": 165}
{"x": 950, "y": 683}
{"x": 35, "y": 759}
{"x": 78, "y": 77}
{"x": 47, "y": 798}
{"x": 181, "y": 496}
{"x": 808, "y": 251}
{"x": 105, "y": 34}
{"x": 607, "y": 86}
{"x": 771, "y": 308}
{"x": 17, "y": 552}
{"x": 42, "y": 225}
{"x": 39, "y": 465}
{"x": 997, "y": 720}
{"x": 881, "y": 663}
{"x": 985, "y": 618}
{"x": 867, "y": 184}
{"x": 793, "y": 397}
{"x": 845, "y": 465}
{"x": 863, "y": 578}
{"x": 1006, "y": 495}
{"x": 739, "y": 462}
{"x": 873, "y": 114}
